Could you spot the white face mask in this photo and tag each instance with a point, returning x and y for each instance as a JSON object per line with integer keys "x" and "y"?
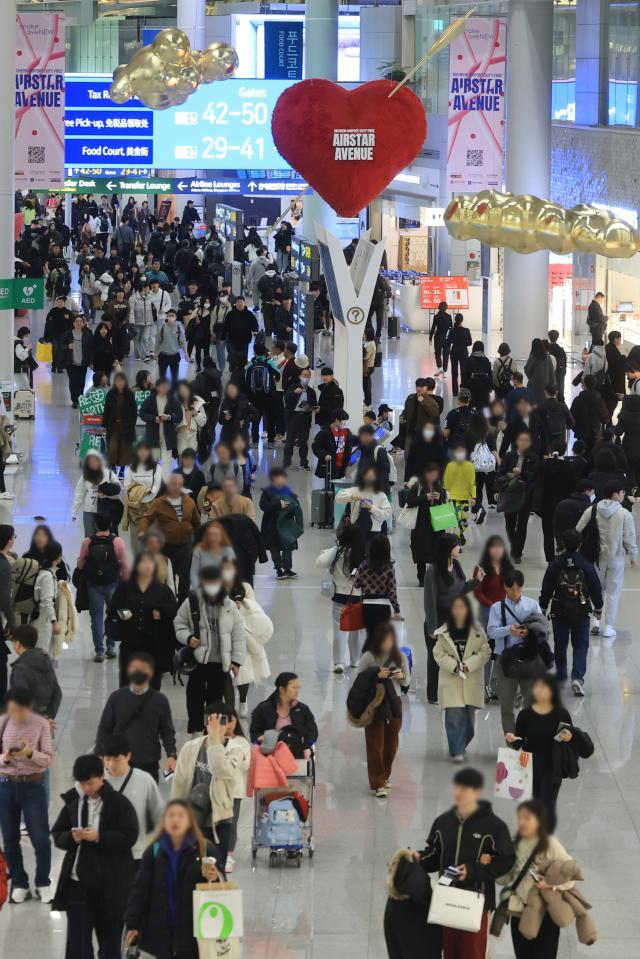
{"x": 305, "y": 380}
{"x": 460, "y": 456}
{"x": 592, "y": 497}
{"x": 211, "y": 589}
{"x": 428, "y": 434}
{"x": 228, "y": 575}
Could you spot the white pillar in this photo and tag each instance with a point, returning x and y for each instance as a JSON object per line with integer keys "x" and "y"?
{"x": 321, "y": 62}
{"x": 7, "y": 201}
{"x": 528, "y": 135}
{"x": 191, "y": 18}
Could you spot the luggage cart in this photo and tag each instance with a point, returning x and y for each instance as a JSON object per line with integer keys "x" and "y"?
{"x": 303, "y": 781}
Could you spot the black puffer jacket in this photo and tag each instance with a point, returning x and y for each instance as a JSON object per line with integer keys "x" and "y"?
{"x": 455, "y": 842}
{"x": 265, "y": 716}
{"x": 628, "y": 427}
{"x": 568, "y": 512}
{"x": 148, "y": 908}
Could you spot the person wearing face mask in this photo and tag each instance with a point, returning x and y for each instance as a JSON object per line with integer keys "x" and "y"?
{"x": 258, "y": 631}
{"x": 428, "y": 448}
{"x": 422, "y": 494}
{"x": 460, "y": 483}
{"x": 140, "y": 615}
{"x": 170, "y": 339}
{"x": 144, "y": 715}
{"x": 219, "y": 313}
{"x": 299, "y": 403}
{"x": 369, "y": 506}
{"x": 209, "y": 623}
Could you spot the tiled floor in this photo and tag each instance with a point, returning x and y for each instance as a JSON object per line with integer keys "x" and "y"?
{"x": 333, "y": 906}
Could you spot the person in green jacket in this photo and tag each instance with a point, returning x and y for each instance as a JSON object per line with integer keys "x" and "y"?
{"x": 282, "y": 522}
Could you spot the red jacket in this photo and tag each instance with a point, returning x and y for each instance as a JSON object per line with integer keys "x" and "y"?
{"x": 267, "y": 772}
{"x": 491, "y": 590}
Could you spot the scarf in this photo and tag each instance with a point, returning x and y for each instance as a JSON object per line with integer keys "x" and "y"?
{"x": 173, "y": 860}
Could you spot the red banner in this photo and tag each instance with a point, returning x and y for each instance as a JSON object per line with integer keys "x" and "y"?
{"x": 453, "y": 290}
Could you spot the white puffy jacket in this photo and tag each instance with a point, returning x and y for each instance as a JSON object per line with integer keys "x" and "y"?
{"x": 258, "y": 630}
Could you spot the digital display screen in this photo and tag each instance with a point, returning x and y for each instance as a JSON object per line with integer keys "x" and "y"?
{"x": 222, "y": 126}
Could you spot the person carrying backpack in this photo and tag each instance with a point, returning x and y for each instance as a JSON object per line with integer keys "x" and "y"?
{"x": 504, "y": 366}
{"x": 261, "y": 376}
{"x": 104, "y": 563}
{"x": 570, "y": 590}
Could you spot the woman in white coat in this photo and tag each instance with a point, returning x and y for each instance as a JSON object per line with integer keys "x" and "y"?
{"x": 461, "y": 652}
{"x": 97, "y": 481}
{"x": 342, "y": 561}
{"x": 194, "y": 417}
{"x": 369, "y": 505}
{"x": 45, "y": 595}
{"x": 258, "y": 630}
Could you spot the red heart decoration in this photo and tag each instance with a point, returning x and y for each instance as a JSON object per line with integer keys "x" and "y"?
{"x": 304, "y": 122}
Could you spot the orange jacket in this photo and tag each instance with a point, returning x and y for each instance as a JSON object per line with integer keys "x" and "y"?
{"x": 267, "y": 772}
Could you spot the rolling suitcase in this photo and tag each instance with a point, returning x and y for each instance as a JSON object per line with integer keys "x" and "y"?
{"x": 24, "y": 405}
{"x": 322, "y": 503}
{"x": 393, "y": 328}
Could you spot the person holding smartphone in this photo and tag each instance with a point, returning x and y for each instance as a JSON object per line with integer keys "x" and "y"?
{"x": 532, "y": 844}
{"x": 461, "y": 652}
{"x": 159, "y": 915}
{"x": 388, "y": 667}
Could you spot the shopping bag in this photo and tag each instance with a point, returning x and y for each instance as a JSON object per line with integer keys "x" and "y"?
{"x": 408, "y": 517}
{"x": 456, "y": 908}
{"x": 443, "y": 517}
{"x": 514, "y": 775}
{"x": 217, "y": 912}
{"x": 44, "y": 352}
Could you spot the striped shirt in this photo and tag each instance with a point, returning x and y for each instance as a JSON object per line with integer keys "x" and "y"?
{"x": 36, "y": 735}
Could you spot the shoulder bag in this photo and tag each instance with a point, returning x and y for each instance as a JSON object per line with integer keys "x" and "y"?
{"x": 517, "y": 661}
{"x": 502, "y": 915}
{"x": 352, "y": 616}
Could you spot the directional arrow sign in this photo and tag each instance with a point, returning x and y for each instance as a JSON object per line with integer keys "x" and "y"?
{"x": 111, "y": 185}
{"x": 252, "y": 185}
{"x": 182, "y": 185}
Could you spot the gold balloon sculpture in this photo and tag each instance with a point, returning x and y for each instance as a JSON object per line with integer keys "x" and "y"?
{"x": 526, "y": 224}
{"x": 166, "y": 73}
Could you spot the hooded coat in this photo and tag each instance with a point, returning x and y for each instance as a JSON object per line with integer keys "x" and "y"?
{"x": 616, "y": 528}
{"x": 34, "y": 672}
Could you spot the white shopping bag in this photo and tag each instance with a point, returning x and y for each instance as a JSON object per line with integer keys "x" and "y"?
{"x": 217, "y": 912}
{"x": 456, "y": 908}
{"x": 514, "y": 775}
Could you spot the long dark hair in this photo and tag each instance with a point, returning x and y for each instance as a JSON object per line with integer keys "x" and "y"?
{"x": 538, "y": 349}
{"x": 93, "y": 476}
{"x": 485, "y": 560}
{"x": 374, "y": 645}
{"x": 135, "y": 461}
{"x": 145, "y": 554}
{"x": 538, "y": 809}
{"x": 469, "y": 621}
{"x": 478, "y": 429}
{"x": 379, "y": 552}
{"x": 350, "y": 550}
{"x": 33, "y": 552}
{"x": 444, "y": 547}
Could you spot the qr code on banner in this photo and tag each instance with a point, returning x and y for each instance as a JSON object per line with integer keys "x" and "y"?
{"x": 36, "y": 154}
{"x": 475, "y": 157}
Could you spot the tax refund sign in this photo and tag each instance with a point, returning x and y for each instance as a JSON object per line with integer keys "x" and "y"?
{"x": 226, "y": 128}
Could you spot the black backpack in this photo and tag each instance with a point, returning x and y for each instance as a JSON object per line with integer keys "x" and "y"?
{"x": 590, "y": 547}
{"x": 259, "y": 378}
{"x": 294, "y": 739}
{"x": 503, "y": 375}
{"x": 556, "y": 424}
{"x": 570, "y": 601}
{"x": 102, "y": 566}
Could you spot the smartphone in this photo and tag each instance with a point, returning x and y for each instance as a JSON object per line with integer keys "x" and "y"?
{"x": 167, "y": 775}
{"x": 451, "y": 871}
{"x": 123, "y": 612}
{"x": 536, "y": 875}
{"x": 224, "y": 720}
{"x": 461, "y": 672}
{"x": 561, "y": 728}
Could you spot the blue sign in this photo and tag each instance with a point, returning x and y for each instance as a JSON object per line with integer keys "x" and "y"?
{"x": 99, "y": 132}
{"x": 101, "y": 123}
{"x": 108, "y": 152}
{"x": 221, "y": 126}
{"x": 241, "y": 186}
{"x": 283, "y": 49}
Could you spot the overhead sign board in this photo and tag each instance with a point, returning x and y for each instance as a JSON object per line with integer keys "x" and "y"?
{"x": 221, "y": 127}
{"x": 283, "y": 49}
{"x": 241, "y": 186}
{"x": 453, "y": 290}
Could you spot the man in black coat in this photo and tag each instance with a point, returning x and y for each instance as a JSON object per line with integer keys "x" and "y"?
{"x": 616, "y": 368}
{"x": 462, "y": 837}
{"x": 97, "y": 828}
{"x": 526, "y": 419}
{"x": 520, "y": 463}
{"x": 330, "y": 397}
{"x": 440, "y": 329}
{"x": 596, "y": 320}
{"x": 239, "y": 327}
{"x": 589, "y": 412}
{"x": 555, "y": 415}
{"x": 569, "y": 510}
{"x": 299, "y": 404}
{"x": 556, "y": 351}
{"x": 332, "y": 445}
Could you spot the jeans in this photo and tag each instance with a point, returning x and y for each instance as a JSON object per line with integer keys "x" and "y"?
{"x": 85, "y": 914}
{"x": 611, "y": 573}
{"x": 221, "y": 354}
{"x": 99, "y": 597}
{"x": 233, "y": 837}
{"x": 77, "y": 375}
{"x": 265, "y": 407}
{"x": 282, "y": 559}
{"x": 339, "y": 638}
{"x": 28, "y": 801}
{"x": 89, "y": 524}
{"x": 169, "y": 361}
{"x": 88, "y": 308}
{"x": 578, "y": 633}
{"x": 145, "y": 341}
{"x": 459, "y": 723}
{"x": 282, "y": 260}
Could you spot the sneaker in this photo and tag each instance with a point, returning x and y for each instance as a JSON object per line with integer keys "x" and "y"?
{"x": 7, "y": 496}
{"x": 305, "y": 467}
{"x": 388, "y": 784}
{"x": 595, "y": 627}
{"x": 609, "y": 632}
{"x": 517, "y": 559}
{"x": 291, "y": 574}
{"x": 98, "y": 658}
{"x": 229, "y": 864}
{"x": 44, "y": 893}
{"x": 380, "y": 793}
{"x": 111, "y": 653}
{"x": 19, "y": 895}
{"x": 243, "y": 710}
{"x": 338, "y": 667}
{"x": 457, "y": 759}
{"x": 440, "y": 371}
{"x": 577, "y": 686}
{"x": 481, "y": 516}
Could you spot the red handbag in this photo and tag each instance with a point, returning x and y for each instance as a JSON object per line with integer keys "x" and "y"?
{"x": 352, "y": 616}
